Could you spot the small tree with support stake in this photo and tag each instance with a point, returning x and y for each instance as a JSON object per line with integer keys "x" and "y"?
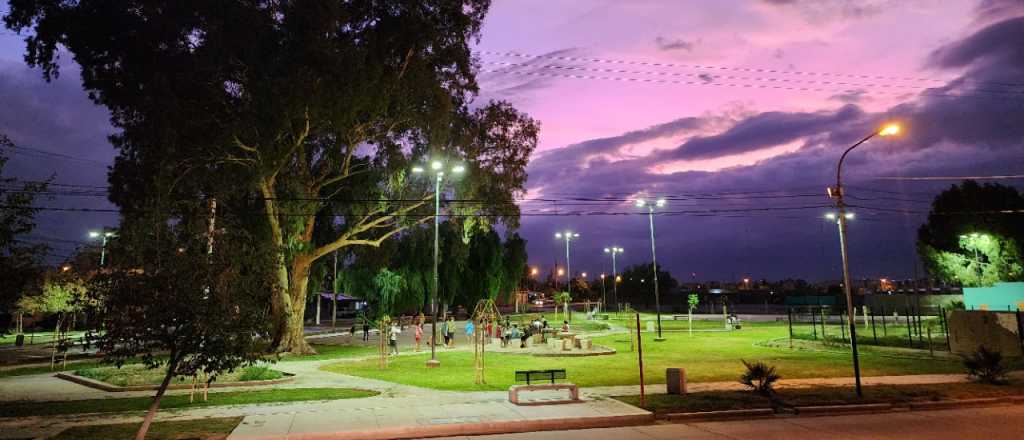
{"x": 485, "y": 311}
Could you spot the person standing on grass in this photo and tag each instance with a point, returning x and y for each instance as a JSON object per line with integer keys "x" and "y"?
{"x": 366, "y": 329}
{"x": 499, "y": 333}
{"x": 419, "y": 334}
{"x": 469, "y": 331}
{"x": 393, "y": 338}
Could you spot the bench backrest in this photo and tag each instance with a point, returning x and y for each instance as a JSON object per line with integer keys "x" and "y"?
{"x": 537, "y": 375}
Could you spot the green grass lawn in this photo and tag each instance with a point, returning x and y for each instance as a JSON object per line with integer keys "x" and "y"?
{"x": 37, "y": 337}
{"x": 33, "y": 408}
{"x": 896, "y": 394}
{"x": 201, "y": 429}
{"x": 138, "y": 374}
{"x": 707, "y": 356}
{"x": 892, "y": 335}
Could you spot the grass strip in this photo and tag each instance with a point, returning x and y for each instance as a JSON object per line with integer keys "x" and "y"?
{"x": 35, "y": 408}
{"x": 200, "y": 429}
{"x": 814, "y": 396}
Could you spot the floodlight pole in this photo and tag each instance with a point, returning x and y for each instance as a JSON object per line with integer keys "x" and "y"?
{"x": 654, "y": 264}
{"x": 433, "y": 362}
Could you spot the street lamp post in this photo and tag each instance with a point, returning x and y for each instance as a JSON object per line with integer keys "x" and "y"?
{"x": 614, "y": 250}
{"x": 654, "y": 258}
{"x": 437, "y": 167}
{"x": 604, "y": 296}
{"x": 836, "y": 193}
{"x": 104, "y": 235}
{"x": 568, "y": 236}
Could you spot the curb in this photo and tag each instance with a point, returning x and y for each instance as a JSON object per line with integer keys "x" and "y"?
{"x": 828, "y": 410}
{"x": 966, "y": 403}
{"x": 483, "y": 428}
{"x": 718, "y": 415}
{"x": 103, "y": 386}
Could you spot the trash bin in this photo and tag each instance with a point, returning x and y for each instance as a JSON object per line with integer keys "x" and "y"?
{"x": 19, "y": 340}
{"x": 675, "y": 380}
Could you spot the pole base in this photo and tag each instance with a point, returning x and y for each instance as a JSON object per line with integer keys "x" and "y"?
{"x": 659, "y": 339}
{"x": 433, "y": 363}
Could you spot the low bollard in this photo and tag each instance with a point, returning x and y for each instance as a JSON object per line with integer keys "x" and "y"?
{"x": 675, "y": 380}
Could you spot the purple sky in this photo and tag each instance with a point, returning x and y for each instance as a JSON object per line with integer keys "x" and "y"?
{"x": 728, "y": 107}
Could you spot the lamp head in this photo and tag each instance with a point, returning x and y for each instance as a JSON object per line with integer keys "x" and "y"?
{"x": 94, "y": 234}
{"x": 640, "y": 203}
{"x": 417, "y": 169}
{"x": 458, "y": 169}
{"x": 660, "y": 203}
{"x": 889, "y": 130}
{"x": 436, "y": 165}
{"x": 606, "y": 250}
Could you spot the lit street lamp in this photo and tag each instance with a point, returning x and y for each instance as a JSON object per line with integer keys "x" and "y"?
{"x": 615, "y": 273}
{"x": 568, "y": 236}
{"x": 640, "y": 203}
{"x": 438, "y": 168}
{"x": 104, "y": 235}
{"x": 604, "y": 297}
{"x": 836, "y": 193}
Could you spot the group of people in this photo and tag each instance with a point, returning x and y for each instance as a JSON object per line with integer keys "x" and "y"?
{"x": 506, "y": 331}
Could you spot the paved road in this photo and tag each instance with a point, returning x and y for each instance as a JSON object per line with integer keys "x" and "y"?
{"x": 991, "y": 423}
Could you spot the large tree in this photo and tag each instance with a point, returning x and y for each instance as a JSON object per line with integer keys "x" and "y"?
{"x": 974, "y": 234}
{"x": 319, "y": 107}
{"x": 20, "y": 260}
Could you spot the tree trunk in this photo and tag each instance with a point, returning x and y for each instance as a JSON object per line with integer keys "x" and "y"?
{"x": 172, "y": 364}
{"x": 292, "y": 337}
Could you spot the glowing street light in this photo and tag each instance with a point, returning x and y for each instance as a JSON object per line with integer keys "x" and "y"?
{"x": 660, "y": 203}
{"x": 437, "y": 167}
{"x": 836, "y": 193}
{"x": 534, "y": 271}
{"x": 614, "y": 250}
{"x": 568, "y": 236}
{"x": 104, "y": 235}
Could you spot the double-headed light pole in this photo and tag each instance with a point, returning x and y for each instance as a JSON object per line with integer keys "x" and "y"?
{"x": 836, "y": 193}
{"x": 438, "y": 169}
{"x": 613, "y": 251}
{"x": 568, "y": 236}
{"x": 104, "y": 235}
{"x": 660, "y": 203}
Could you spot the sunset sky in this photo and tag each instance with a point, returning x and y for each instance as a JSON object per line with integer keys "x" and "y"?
{"x": 736, "y": 111}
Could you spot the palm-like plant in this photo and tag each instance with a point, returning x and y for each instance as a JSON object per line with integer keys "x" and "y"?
{"x": 986, "y": 365}
{"x": 760, "y": 376}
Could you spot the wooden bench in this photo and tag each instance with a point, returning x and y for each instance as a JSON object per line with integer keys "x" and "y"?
{"x": 529, "y": 376}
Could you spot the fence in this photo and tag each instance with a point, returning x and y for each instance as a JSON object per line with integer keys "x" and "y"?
{"x": 909, "y": 327}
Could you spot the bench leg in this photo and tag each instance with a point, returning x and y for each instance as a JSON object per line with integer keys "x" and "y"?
{"x": 513, "y": 396}
{"x": 574, "y": 393}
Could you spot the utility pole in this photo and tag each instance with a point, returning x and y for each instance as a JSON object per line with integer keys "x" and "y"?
{"x": 654, "y": 258}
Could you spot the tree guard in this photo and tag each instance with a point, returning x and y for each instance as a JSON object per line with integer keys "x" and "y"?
{"x": 485, "y": 311}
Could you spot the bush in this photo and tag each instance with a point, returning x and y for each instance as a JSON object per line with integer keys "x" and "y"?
{"x": 760, "y": 376}
{"x": 986, "y": 365}
{"x": 259, "y": 372}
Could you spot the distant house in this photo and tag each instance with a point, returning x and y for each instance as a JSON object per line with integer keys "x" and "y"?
{"x": 348, "y": 306}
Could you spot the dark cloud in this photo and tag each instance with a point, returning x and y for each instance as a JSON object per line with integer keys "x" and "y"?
{"x": 764, "y": 130}
{"x": 514, "y": 78}
{"x": 667, "y": 44}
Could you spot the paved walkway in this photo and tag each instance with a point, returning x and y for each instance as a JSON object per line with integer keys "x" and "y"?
{"x": 990, "y": 423}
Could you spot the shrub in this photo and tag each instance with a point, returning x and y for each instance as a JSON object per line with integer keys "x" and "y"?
{"x": 986, "y": 365}
{"x": 759, "y": 376}
{"x": 259, "y": 372}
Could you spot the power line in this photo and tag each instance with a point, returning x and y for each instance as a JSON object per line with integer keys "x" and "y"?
{"x": 732, "y": 85}
{"x": 707, "y": 79}
{"x": 738, "y": 69}
{"x": 1000, "y": 177}
{"x": 35, "y": 152}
